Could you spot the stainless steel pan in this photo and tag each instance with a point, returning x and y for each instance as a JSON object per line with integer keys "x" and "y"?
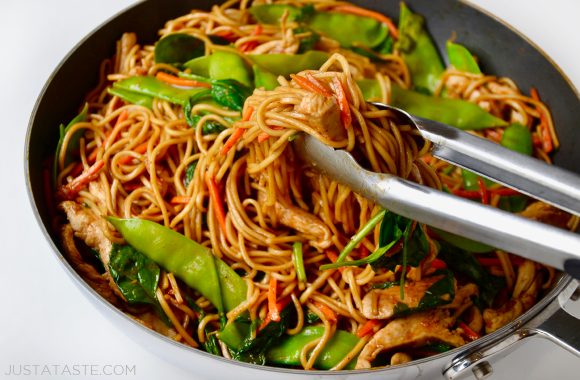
{"x": 502, "y": 51}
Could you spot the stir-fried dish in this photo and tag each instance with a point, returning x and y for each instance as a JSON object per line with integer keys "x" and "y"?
{"x": 180, "y": 198}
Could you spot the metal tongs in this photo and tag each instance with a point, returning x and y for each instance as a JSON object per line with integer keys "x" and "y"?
{"x": 536, "y": 241}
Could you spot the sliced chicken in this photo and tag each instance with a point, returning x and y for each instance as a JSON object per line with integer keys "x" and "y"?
{"x": 97, "y": 281}
{"x": 89, "y": 228}
{"x": 527, "y": 293}
{"x": 298, "y": 219}
{"x": 545, "y": 213}
{"x": 413, "y": 331}
{"x": 462, "y": 295}
{"x": 323, "y": 115}
{"x": 382, "y": 303}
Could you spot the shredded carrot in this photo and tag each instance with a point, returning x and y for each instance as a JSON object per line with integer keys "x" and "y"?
{"x": 238, "y": 133}
{"x": 171, "y": 79}
{"x": 474, "y": 194}
{"x": 307, "y": 85}
{"x": 180, "y": 200}
{"x": 247, "y": 113}
{"x": 218, "y": 204}
{"x": 142, "y": 148}
{"x": 251, "y": 45}
{"x": 280, "y": 305}
{"x": 263, "y": 137}
{"x": 332, "y": 256}
{"x": 545, "y": 135}
{"x": 483, "y": 191}
{"x": 469, "y": 333}
{"x": 368, "y": 327}
{"x": 368, "y": 13}
{"x": 345, "y": 115}
{"x": 318, "y": 85}
{"x": 427, "y": 158}
{"x": 438, "y": 264}
{"x": 227, "y": 34}
{"x": 495, "y": 262}
{"x": 71, "y": 189}
{"x": 327, "y": 311}
{"x": 273, "y": 311}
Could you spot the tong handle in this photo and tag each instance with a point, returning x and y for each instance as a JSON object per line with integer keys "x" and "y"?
{"x": 525, "y": 174}
{"x": 536, "y": 241}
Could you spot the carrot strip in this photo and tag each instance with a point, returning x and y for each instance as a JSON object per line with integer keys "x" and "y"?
{"x": 263, "y": 137}
{"x": 546, "y": 136}
{"x": 333, "y": 257}
{"x": 217, "y": 202}
{"x": 345, "y": 115}
{"x": 142, "y": 148}
{"x": 227, "y": 34}
{"x": 251, "y": 45}
{"x": 368, "y": 13}
{"x": 483, "y": 191}
{"x": 307, "y": 85}
{"x": 469, "y": 333}
{"x": 318, "y": 84}
{"x": 238, "y": 133}
{"x": 368, "y": 327}
{"x": 328, "y": 312}
{"x": 180, "y": 200}
{"x": 495, "y": 262}
{"x": 280, "y": 305}
{"x": 438, "y": 264}
{"x": 71, "y": 189}
{"x": 273, "y": 311}
{"x": 247, "y": 113}
{"x": 170, "y": 79}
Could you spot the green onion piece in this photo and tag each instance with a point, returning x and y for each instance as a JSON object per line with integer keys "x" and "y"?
{"x": 356, "y": 239}
{"x": 299, "y": 261}
{"x": 404, "y": 268}
{"x": 367, "y": 260}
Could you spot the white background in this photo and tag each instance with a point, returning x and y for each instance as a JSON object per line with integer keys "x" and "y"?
{"x": 44, "y": 319}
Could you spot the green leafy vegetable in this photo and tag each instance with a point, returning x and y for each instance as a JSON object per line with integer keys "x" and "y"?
{"x": 189, "y": 173}
{"x": 135, "y": 274}
{"x": 230, "y": 93}
{"x": 253, "y": 350}
{"x": 385, "y": 285}
{"x": 178, "y": 48}
{"x": 463, "y": 242}
{"x": 307, "y": 43}
{"x": 417, "y": 246}
{"x": 464, "y": 262}
{"x": 311, "y": 317}
{"x": 210, "y": 127}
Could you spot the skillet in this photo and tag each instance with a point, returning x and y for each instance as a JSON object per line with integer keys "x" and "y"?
{"x": 502, "y": 52}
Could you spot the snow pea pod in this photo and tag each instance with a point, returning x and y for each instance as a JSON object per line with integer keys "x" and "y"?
{"x": 132, "y": 97}
{"x": 153, "y": 87}
{"x": 349, "y": 30}
{"x": 419, "y": 51}
{"x": 518, "y": 138}
{"x": 286, "y": 64}
{"x": 461, "y": 58}
{"x": 458, "y": 113}
{"x": 221, "y": 65}
{"x": 193, "y": 263}
{"x": 287, "y": 352}
{"x": 264, "y": 79}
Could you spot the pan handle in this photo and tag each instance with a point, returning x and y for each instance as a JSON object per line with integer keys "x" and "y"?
{"x": 553, "y": 323}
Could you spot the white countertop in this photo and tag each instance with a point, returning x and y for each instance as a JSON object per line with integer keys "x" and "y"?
{"x": 44, "y": 320}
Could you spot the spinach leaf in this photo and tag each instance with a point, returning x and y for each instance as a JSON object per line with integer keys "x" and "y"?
{"x": 307, "y": 43}
{"x": 135, "y": 274}
{"x": 385, "y": 285}
{"x": 230, "y": 93}
{"x": 189, "y": 172}
{"x": 178, "y": 48}
{"x": 311, "y": 317}
{"x": 464, "y": 262}
{"x": 252, "y": 350}
{"x": 440, "y": 293}
{"x": 211, "y": 344}
{"x": 415, "y": 248}
{"x": 435, "y": 348}
{"x": 210, "y": 127}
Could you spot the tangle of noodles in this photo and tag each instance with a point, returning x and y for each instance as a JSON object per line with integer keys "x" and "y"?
{"x": 138, "y": 158}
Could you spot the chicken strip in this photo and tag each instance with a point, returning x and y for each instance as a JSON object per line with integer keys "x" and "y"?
{"x": 413, "y": 331}
{"x": 381, "y": 303}
{"x": 545, "y": 213}
{"x": 323, "y": 116}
